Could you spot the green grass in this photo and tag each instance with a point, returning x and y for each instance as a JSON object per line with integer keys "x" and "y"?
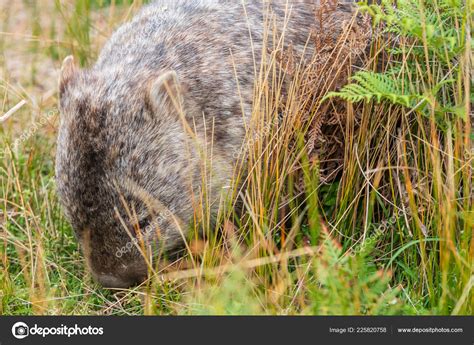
{"x": 390, "y": 234}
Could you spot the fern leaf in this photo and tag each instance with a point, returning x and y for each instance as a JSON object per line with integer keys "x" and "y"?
{"x": 369, "y": 86}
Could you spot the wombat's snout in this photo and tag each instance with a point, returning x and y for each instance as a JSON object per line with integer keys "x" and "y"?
{"x": 126, "y": 279}
{"x": 108, "y": 269}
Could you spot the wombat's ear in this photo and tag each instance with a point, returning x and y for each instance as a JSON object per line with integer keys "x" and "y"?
{"x": 68, "y": 70}
{"x": 165, "y": 93}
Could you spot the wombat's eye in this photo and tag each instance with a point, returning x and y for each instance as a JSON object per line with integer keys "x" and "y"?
{"x": 143, "y": 223}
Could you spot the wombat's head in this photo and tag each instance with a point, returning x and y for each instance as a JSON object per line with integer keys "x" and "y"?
{"x": 124, "y": 170}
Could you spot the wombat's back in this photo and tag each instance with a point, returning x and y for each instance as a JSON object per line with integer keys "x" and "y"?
{"x": 215, "y": 47}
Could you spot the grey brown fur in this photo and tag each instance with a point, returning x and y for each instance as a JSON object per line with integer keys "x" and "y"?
{"x": 124, "y": 154}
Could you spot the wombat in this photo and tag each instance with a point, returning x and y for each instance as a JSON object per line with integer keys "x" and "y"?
{"x": 175, "y": 79}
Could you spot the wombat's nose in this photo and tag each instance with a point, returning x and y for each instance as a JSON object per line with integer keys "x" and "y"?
{"x": 120, "y": 281}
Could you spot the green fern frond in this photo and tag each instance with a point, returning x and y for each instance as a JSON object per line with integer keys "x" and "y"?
{"x": 368, "y": 86}
{"x": 436, "y": 26}
{"x": 332, "y": 250}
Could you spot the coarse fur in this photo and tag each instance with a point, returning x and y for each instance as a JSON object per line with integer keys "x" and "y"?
{"x": 177, "y": 77}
